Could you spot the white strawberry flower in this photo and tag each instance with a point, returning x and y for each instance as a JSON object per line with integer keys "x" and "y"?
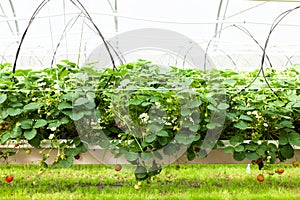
{"x": 144, "y": 118}
{"x": 51, "y": 136}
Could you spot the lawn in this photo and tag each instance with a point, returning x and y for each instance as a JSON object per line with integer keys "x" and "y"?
{"x": 189, "y": 182}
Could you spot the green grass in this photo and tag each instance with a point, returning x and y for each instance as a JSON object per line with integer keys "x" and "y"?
{"x": 190, "y": 182}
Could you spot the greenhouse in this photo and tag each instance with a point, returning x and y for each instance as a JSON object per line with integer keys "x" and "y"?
{"x": 149, "y": 99}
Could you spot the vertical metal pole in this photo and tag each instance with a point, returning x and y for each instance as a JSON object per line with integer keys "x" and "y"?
{"x": 114, "y": 8}
{"x": 116, "y": 23}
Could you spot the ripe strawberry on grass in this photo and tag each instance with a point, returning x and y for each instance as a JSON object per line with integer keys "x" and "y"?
{"x": 9, "y": 178}
{"x": 280, "y": 171}
{"x": 295, "y": 164}
{"x": 118, "y": 168}
{"x": 260, "y": 178}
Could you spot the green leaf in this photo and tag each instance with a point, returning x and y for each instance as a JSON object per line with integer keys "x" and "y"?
{"x": 239, "y": 148}
{"x": 157, "y": 155}
{"x": 40, "y": 123}
{"x": 26, "y": 124}
{"x": 251, "y": 147}
{"x": 239, "y": 156}
{"x": 261, "y": 150}
{"x": 229, "y": 82}
{"x": 202, "y": 154}
{"x": 220, "y": 143}
{"x": 14, "y": 112}
{"x": 228, "y": 149}
{"x": 294, "y": 138}
{"x": 213, "y": 125}
{"x": 184, "y": 137}
{"x": 35, "y": 142}
{"x": 287, "y": 124}
{"x": 32, "y": 106}
{"x": 231, "y": 116}
{"x": 236, "y": 140}
{"x": 146, "y": 156}
{"x": 190, "y": 154}
{"x": 287, "y": 151}
{"x": 246, "y": 118}
{"x": 66, "y": 163}
{"x": 273, "y": 157}
{"x": 150, "y": 138}
{"x": 16, "y": 132}
{"x": 3, "y": 98}
{"x": 195, "y": 104}
{"x": 74, "y": 115}
{"x": 30, "y": 134}
{"x": 283, "y": 139}
{"x": 5, "y": 137}
{"x": 68, "y": 96}
{"x": 194, "y": 128}
{"x": 296, "y": 105}
{"x": 131, "y": 156}
{"x": 64, "y": 120}
{"x": 135, "y": 102}
{"x": 154, "y": 128}
{"x": 72, "y": 152}
{"x": 140, "y": 173}
{"x": 162, "y": 133}
{"x": 252, "y": 155}
{"x": 185, "y": 112}
{"x": 241, "y": 125}
{"x": 54, "y": 124}
{"x": 3, "y": 114}
{"x": 272, "y": 147}
{"x": 124, "y": 82}
{"x": 171, "y": 149}
{"x": 211, "y": 107}
{"x": 223, "y": 106}
{"x": 81, "y": 101}
{"x": 64, "y": 105}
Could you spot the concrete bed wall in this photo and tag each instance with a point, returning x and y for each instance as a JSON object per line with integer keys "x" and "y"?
{"x": 216, "y": 156}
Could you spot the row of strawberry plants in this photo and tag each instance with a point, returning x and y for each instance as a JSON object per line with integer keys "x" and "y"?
{"x": 146, "y": 113}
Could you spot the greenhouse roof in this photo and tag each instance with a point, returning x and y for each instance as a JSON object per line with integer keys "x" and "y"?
{"x": 232, "y": 33}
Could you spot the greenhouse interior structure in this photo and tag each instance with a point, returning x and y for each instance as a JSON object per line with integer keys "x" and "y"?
{"x": 138, "y": 99}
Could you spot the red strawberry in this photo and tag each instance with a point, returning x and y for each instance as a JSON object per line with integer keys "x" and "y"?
{"x": 280, "y": 171}
{"x": 118, "y": 168}
{"x": 9, "y": 178}
{"x": 260, "y": 178}
{"x": 295, "y": 164}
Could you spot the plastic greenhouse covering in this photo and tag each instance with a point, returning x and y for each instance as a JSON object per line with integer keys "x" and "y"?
{"x": 234, "y": 34}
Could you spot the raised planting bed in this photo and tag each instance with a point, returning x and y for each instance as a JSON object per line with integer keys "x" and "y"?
{"x": 26, "y": 154}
